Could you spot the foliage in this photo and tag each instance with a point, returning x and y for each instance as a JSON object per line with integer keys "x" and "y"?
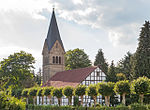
{"x": 32, "y": 92}
{"x": 92, "y": 90}
{"x": 25, "y": 93}
{"x": 40, "y": 92}
{"x": 137, "y": 106}
{"x": 120, "y": 76}
{"x": 122, "y": 87}
{"x": 47, "y": 91}
{"x": 111, "y": 75}
{"x": 17, "y": 68}
{"x": 38, "y": 77}
{"x": 10, "y": 103}
{"x": 105, "y": 89}
{"x": 124, "y": 65}
{"x": 141, "y": 85}
{"x": 101, "y": 61}
{"x": 80, "y": 90}
{"x": 68, "y": 91}
{"x": 141, "y": 59}
{"x": 57, "y": 92}
{"x": 76, "y": 58}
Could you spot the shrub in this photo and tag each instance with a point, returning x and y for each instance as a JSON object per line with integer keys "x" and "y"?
{"x": 106, "y": 89}
{"x": 137, "y": 106}
{"x": 122, "y": 88}
{"x": 10, "y": 103}
{"x": 80, "y": 91}
{"x": 141, "y": 87}
{"x": 68, "y": 92}
{"x": 57, "y": 92}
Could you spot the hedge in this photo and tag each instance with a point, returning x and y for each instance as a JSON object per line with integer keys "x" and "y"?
{"x": 49, "y": 107}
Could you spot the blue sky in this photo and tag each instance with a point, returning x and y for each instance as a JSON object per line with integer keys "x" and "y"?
{"x": 113, "y": 25}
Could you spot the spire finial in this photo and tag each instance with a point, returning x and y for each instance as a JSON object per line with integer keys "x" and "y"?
{"x": 53, "y": 7}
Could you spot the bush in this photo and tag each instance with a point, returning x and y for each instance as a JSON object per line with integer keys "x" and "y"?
{"x": 10, "y": 103}
{"x": 137, "y": 106}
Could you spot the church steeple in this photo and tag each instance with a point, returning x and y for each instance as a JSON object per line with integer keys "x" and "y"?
{"x": 53, "y": 33}
{"x": 53, "y": 51}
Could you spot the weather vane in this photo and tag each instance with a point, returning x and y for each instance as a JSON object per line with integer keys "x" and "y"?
{"x": 53, "y": 7}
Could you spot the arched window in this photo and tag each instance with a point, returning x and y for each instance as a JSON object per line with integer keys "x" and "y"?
{"x": 59, "y": 60}
{"x": 53, "y": 59}
{"x": 56, "y": 59}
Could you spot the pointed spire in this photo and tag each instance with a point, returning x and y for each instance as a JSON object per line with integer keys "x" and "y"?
{"x": 53, "y": 33}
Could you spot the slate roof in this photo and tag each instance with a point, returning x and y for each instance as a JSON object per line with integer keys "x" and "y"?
{"x": 53, "y": 33}
{"x": 70, "y": 77}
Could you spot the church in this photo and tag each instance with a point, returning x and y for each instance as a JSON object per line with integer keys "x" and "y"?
{"x": 54, "y": 73}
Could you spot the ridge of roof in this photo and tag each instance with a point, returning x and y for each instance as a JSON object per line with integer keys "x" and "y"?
{"x": 53, "y": 33}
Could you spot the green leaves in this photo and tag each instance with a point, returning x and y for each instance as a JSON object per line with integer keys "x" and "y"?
{"x": 32, "y": 92}
{"x": 101, "y": 61}
{"x": 47, "y": 91}
{"x": 92, "y": 90}
{"x": 18, "y": 68}
{"x": 105, "y": 89}
{"x": 122, "y": 87}
{"x": 68, "y": 91}
{"x": 141, "y": 85}
{"x": 57, "y": 92}
{"x": 76, "y": 58}
{"x": 80, "y": 90}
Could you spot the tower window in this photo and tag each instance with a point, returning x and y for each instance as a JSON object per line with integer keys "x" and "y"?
{"x": 56, "y": 59}
{"x": 53, "y": 59}
{"x": 59, "y": 60}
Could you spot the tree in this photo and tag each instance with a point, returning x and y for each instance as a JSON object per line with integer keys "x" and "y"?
{"x": 76, "y": 58}
{"x": 124, "y": 65}
{"x": 120, "y": 76}
{"x": 122, "y": 88}
{"x": 17, "y": 68}
{"x": 32, "y": 93}
{"x": 101, "y": 61}
{"x": 111, "y": 75}
{"x": 47, "y": 92}
{"x": 80, "y": 91}
{"x": 40, "y": 94}
{"x": 106, "y": 89}
{"x": 25, "y": 94}
{"x": 57, "y": 92}
{"x": 92, "y": 91}
{"x": 141, "y": 87}
{"x": 38, "y": 77}
{"x": 141, "y": 58}
{"x": 68, "y": 92}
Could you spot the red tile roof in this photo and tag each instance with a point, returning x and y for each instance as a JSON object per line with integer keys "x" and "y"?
{"x": 70, "y": 77}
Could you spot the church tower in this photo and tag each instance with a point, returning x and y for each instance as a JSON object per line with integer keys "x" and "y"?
{"x": 53, "y": 51}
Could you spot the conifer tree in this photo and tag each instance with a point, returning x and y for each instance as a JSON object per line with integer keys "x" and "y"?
{"x": 141, "y": 59}
{"x": 111, "y": 75}
{"x": 101, "y": 61}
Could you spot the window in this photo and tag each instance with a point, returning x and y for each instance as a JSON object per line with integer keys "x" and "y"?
{"x": 59, "y": 60}
{"x": 53, "y": 59}
{"x": 56, "y": 59}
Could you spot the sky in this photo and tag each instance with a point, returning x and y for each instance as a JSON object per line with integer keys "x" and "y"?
{"x": 112, "y": 25}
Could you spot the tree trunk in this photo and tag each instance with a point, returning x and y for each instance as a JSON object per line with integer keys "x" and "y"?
{"x": 42, "y": 100}
{"x": 124, "y": 98}
{"x": 70, "y": 100}
{"x": 82, "y": 100}
{"x": 141, "y": 98}
{"x": 27, "y": 100}
{"x": 34, "y": 101}
{"x": 50, "y": 101}
{"x": 106, "y": 100}
{"x": 59, "y": 101}
{"x": 95, "y": 98}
